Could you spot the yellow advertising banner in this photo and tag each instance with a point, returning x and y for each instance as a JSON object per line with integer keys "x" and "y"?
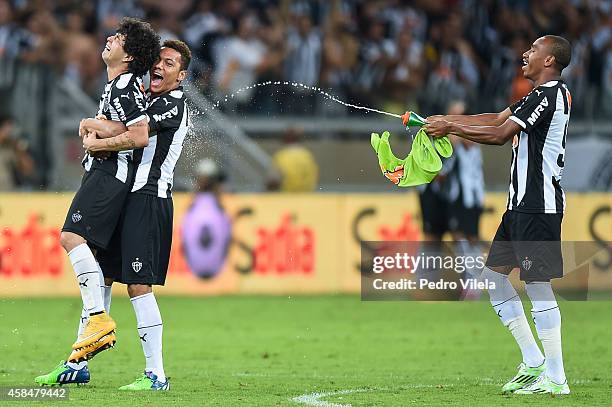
{"x": 281, "y": 244}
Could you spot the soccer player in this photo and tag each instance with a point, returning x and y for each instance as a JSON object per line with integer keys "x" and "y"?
{"x": 140, "y": 250}
{"x": 97, "y": 205}
{"x": 529, "y": 235}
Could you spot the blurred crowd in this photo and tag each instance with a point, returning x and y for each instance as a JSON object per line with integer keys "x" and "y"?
{"x": 390, "y": 54}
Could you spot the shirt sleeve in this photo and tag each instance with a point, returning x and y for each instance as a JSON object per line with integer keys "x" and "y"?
{"x": 165, "y": 113}
{"x": 531, "y": 110}
{"x": 129, "y": 102}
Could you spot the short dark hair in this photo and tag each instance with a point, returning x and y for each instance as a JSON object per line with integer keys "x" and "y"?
{"x": 182, "y": 48}
{"x": 561, "y": 49}
{"x": 141, "y": 43}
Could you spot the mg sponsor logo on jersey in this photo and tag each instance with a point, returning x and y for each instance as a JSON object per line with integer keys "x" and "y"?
{"x": 166, "y": 115}
{"x": 538, "y": 111}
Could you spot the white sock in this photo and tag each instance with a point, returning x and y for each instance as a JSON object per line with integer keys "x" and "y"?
{"x": 106, "y": 295}
{"x": 150, "y": 330}
{"x": 547, "y": 319}
{"x": 87, "y": 273}
{"x": 472, "y": 273}
{"x": 507, "y": 305}
{"x": 105, "y": 289}
{"x": 82, "y": 322}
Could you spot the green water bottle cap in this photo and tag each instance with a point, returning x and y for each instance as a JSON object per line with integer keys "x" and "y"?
{"x": 412, "y": 119}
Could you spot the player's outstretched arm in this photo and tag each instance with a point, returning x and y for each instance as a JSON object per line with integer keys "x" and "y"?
{"x": 482, "y": 119}
{"x": 497, "y": 135}
{"x": 103, "y": 128}
{"x": 136, "y": 136}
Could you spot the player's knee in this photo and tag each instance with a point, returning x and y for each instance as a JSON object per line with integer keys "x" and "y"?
{"x": 109, "y": 281}
{"x": 134, "y": 290}
{"x": 70, "y": 240}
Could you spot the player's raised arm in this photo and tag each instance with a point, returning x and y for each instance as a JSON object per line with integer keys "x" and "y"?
{"x": 482, "y": 119}
{"x": 496, "y": 135}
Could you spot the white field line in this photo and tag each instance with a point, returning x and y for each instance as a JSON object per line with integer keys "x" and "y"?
{"x": 314, "y": 399}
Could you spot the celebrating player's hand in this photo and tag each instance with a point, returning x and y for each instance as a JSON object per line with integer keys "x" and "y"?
{"x": 89, "y": 141}
{"x": 437, "y": 128}
{"x": 83, "y": 128}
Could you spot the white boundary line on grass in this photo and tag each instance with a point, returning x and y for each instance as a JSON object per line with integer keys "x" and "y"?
{"x": 314, "y": 399}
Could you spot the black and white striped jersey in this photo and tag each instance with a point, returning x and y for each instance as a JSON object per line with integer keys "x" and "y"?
{"x": 168, "y": 117}
{"x": 123, "y": 100}
{"x": 538, "y": 151}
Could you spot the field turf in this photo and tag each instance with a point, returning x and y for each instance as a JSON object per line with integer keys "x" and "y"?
{"x": 280, "y": 351}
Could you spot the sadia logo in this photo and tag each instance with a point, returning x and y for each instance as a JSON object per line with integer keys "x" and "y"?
{"x": 287, "y": 248}
{"x": 406, "y": 230}
{"x": 30, "y": 251}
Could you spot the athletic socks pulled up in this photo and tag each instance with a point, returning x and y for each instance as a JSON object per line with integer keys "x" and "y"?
{"x": 87, "y": 272}
{"x": 150, "y": 329}
{"x": 508, "y": 307}
{"x": 105, "y": 291}
{"x": 547, "y": 319}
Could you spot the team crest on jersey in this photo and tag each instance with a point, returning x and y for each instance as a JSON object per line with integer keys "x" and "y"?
{"x": 136, "y": 265}
{"x": 76, "y": 217}
{"x": 527, "y": 263}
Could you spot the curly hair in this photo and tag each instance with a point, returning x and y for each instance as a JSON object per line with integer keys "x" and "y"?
{"x": 141, "y": 43}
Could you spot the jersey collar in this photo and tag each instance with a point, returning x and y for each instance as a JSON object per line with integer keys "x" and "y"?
{"x": 552, "y": 83}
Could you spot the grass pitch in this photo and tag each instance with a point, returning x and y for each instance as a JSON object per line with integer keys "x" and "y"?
{"x": 299, "y": 351}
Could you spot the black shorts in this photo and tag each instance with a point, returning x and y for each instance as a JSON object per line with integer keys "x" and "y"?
{"x": 139, "y": 252}
{"x": 464, "y": 220}
{"x": 440, "y": 216}
{"x": 96, "y": 208}
{"x": 434, "y": 209}
{"x": 530, "y": 241}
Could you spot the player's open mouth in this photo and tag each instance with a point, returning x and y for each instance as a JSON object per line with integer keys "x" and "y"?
{"x": 525, "y": 63}
{"x": 156, "y": 79}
